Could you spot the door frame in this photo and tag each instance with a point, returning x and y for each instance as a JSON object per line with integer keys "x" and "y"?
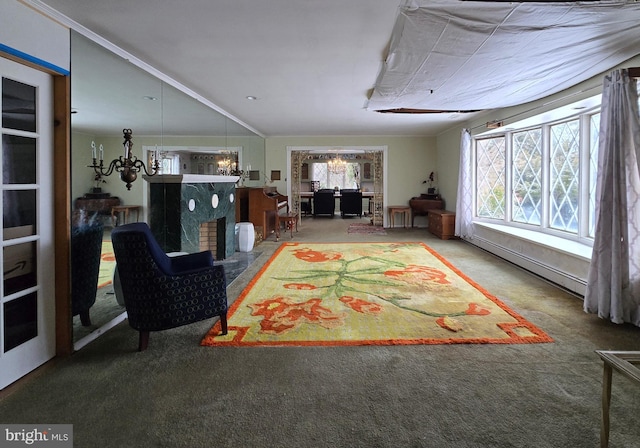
{"x": 378, "y": 156}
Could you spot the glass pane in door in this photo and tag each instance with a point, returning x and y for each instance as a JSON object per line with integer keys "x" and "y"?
{"x": 18, "y": 105}
{"x": 18, "y": 213}
{"x": 18, "y": 160}
{"x": 20, "y": 321}
{"x": 20, "y": 265}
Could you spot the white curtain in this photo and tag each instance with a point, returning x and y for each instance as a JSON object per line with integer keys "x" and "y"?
{"x": 464, "y": 205}
{"x": 613, "y": 285}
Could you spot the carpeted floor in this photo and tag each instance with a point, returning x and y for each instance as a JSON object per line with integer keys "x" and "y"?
{"x": 179, "y": 394}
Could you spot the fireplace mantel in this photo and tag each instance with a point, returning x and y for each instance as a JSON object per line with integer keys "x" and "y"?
{"x": 180, "y": 203}
{"x": 190, "y": 179}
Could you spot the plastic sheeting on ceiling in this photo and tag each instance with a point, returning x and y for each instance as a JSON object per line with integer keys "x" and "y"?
{"x": 462, "y": 55}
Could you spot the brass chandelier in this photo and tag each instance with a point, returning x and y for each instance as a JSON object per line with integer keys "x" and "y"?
{"x": 128, "y": 165}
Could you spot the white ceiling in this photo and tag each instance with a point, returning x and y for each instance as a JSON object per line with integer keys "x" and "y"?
{"x": 313, "y": 64}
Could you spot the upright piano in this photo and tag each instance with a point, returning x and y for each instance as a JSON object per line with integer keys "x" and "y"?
{"x": 263, "y": 205}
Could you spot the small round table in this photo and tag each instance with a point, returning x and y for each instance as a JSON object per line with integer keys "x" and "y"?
{"x": 404, "y": 210}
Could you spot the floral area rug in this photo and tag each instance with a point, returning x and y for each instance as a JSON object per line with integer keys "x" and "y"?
{"x": 107, "y": 264}
{"x": 367, "y": 294}
{"x": 366, "y": 229}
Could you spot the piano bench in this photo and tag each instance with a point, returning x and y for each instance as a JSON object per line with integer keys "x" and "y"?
{"x": 290, "y": 220}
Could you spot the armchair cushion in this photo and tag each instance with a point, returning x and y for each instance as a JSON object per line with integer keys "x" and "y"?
{"x": 190, "y": 262}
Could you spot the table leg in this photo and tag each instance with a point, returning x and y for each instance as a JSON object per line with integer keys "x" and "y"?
{"x": 606, "y": 401}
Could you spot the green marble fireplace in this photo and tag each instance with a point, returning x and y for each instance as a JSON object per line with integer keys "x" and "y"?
{"x": 182, "y": 207}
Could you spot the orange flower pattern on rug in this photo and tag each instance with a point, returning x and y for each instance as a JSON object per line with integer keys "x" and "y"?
{"x": 367, "y": 293}
{"x": 361, "y": 306}
{"x": 282, "y": 314}
{"x": 418, "y": 275}
{"x": 314, "y": 256}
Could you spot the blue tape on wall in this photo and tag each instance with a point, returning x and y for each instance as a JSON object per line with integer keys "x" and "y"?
{"x": 33, "y": 60}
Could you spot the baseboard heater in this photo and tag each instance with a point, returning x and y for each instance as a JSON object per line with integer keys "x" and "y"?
{"x": 552, "y": 274}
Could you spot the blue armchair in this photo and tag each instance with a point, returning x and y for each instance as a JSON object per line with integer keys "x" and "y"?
{"x": 162, "y": 292}
{"x": 86, "y": 247}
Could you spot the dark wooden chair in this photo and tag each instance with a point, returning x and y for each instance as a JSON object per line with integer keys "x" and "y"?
{"x": 350, "y": 203}
{"x": 324, "y": 202}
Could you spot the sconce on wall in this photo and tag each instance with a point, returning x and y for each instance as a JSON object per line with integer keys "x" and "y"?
{"x": 128, "y": 165}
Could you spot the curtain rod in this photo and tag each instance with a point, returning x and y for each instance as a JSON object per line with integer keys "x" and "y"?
{"x": 634, "y": 72}
{"x": 538, "y": 107}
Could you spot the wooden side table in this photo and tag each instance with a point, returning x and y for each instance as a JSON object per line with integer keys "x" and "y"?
{"x": 404, "y": 210}
{"x": 623, "y": 362}
{"x": 442, "y": 223}
{"x": 124, "y": 209}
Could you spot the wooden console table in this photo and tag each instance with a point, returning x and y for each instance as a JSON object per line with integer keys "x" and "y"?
{"x": 442, "y": 223}
{"x": 100, "y": 204}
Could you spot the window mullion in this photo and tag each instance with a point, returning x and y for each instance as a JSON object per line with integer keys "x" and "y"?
{"x": 546, "y": 177}
{"x": 585, "y": 162}
{"x": 508, "y": 181}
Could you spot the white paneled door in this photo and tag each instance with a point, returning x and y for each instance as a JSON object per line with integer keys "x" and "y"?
{"x": 27, "y": 306}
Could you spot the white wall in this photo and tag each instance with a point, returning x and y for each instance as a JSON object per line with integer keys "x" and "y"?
{"x": 410, "y": 160}
{"x": 40, "y": 38}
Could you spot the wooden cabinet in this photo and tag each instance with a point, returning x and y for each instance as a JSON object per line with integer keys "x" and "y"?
{"x": 304, "y": 171}
{"x": 97, "y": 203}
{"x": 442, "y": 223}
{"x": 421, "y": 205}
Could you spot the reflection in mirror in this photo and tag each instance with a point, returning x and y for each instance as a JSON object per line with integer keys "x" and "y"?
{"x": 109, "y": 94}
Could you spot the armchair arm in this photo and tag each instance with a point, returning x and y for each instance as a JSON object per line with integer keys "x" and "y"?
{"x": 190, "y": 262}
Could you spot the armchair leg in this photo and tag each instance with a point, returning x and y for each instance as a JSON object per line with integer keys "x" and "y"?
{"x": 143, "y": 341}
{"x": 85, "y": 318}
{"x": 223, "y": 323}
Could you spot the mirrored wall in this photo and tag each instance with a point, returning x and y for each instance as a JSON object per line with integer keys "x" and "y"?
{"x": 109, "y": 94}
